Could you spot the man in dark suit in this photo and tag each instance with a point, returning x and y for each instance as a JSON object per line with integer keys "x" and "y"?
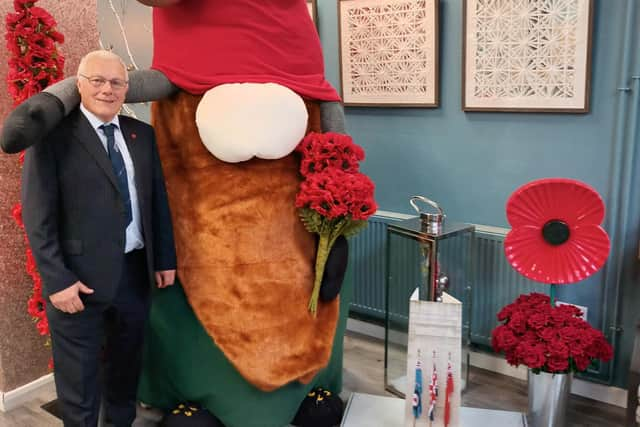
{"x": 96, "y": 213}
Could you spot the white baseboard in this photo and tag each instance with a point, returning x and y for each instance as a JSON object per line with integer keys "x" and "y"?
{"x": 14, "y": 398}
{"x": 365, "y": 328}
{"x": 612, "y": 395}
{"x": 603, "y": 393}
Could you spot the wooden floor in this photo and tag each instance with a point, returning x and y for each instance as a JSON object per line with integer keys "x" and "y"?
{"x": 364, "y": 372}
{"x": 31, "y": 414}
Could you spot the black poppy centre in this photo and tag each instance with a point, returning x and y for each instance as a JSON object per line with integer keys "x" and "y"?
{"x": 556, "y": 232}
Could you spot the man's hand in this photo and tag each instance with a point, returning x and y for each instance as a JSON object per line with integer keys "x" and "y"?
{"x": 165, "y": 278}
{"x": 68, "y": 300}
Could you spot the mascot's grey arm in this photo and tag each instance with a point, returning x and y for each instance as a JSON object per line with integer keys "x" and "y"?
{"x": 332, "y": 117}
{"x": 144, "y": 86}
{"x": 332, "y": 120}
{"x": 149, "y": 85}
{"x": 66, "y": 92}
{"x": 32, "y": 120}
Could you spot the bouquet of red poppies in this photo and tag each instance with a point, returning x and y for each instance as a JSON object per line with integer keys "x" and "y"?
{"x": 335, "y": 198}
{"x": 547, "y": 338}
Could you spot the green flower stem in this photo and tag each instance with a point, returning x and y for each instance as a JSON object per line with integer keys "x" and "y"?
{"x": 321, "y": 259}
{"x": 329, "y": 232}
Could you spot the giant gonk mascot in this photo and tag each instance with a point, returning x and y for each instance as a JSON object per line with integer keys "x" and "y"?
{"x": 237, "y": 85}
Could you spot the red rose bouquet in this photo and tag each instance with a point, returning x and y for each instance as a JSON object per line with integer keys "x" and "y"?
{"x": 335, "y": 198}
{"x": 547, "y": 338}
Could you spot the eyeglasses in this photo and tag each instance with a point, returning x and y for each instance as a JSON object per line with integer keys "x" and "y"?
{"x": 97, "y": 82}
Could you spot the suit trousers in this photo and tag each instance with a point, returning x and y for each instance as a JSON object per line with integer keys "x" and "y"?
{"x": 110, "y": 334}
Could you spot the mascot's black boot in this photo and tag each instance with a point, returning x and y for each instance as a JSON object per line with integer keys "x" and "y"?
{"x": 30, "y": 122}
{"x": 190, "y": 415}
{"x": 320, "y": 408}
{"x": 334, "y": 270}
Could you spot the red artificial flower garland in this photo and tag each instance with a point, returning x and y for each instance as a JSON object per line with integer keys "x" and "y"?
{"x": 34, "y": 61}
{"x": 547, "y": 338}
{"x": 335, "y": 198}
{"x": 34, "y": 64}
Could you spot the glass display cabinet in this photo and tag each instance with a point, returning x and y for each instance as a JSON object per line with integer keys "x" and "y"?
{"x": 433, "y": 255}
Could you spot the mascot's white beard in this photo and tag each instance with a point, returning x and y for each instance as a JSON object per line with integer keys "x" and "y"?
{"x": 240, "y": 121}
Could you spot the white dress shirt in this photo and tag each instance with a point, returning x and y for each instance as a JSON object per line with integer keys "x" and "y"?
{"x": 133, "y": 233}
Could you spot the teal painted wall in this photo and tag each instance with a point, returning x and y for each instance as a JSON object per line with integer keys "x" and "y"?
{"x": 471, "y": 162}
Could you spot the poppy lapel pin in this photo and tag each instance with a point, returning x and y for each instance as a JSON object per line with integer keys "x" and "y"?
{"x": 134, "y": 136}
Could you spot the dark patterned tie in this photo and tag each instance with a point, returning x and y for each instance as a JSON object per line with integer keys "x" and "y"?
{"x": 117, "y": 162}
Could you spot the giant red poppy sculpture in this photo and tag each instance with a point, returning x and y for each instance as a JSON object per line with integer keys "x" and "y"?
{"x": 556, "y": 236}
{"x": 555, "y": 239}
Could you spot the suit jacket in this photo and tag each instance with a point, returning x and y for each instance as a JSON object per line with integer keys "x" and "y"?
{"x": 74, "y": 215}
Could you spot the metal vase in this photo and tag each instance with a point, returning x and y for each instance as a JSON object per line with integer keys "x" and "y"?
{"x": 548, "y": 398}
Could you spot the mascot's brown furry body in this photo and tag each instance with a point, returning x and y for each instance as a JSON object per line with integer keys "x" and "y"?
{"x": 244, "y": 259}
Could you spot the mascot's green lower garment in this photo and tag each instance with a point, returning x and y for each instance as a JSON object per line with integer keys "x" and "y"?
{"x": 181, "y": 363}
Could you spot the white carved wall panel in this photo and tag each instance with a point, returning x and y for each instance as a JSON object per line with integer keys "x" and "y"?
{"x": 389, "y": 52}
{"x": 527, "y": 54}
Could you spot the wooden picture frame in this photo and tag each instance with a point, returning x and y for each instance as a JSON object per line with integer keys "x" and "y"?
{"x": 389, "y": 52}
{"x": 534, "y": 60}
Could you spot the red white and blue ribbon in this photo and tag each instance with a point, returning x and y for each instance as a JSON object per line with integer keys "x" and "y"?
{"x": 433, "y": 390}
{"x": 417, "y": 391}
{"x": 448, "y": 393}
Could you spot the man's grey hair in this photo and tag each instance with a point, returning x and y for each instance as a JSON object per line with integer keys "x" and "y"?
{"x": 102, "y": 54}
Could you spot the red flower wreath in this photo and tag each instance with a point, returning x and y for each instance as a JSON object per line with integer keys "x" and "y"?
{"x": 34, "y": 64}
{"x": 556, "y": 236}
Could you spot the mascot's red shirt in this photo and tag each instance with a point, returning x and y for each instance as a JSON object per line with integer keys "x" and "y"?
{"x": 200, "y": 44}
